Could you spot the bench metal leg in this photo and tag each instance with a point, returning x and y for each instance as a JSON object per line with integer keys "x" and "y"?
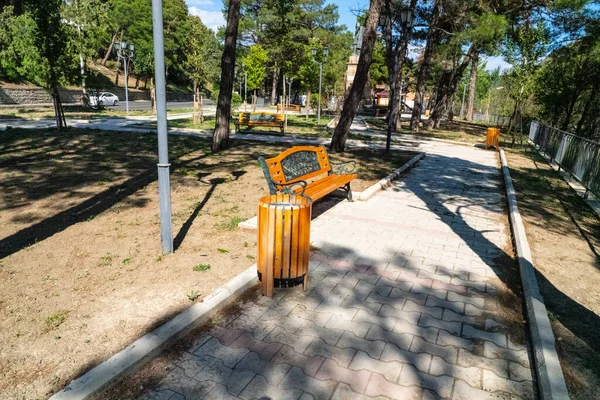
{"x": 348, "y": 192}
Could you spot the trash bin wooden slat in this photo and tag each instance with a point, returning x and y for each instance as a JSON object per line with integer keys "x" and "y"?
{"x": 492, "y": 138}
{"x": 283, "y": 241}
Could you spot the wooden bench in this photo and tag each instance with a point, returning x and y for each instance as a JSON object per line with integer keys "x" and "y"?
{"x": 260, "y": 119}
{"x": 289, "y": 107}
{"x": 306, "y": 170}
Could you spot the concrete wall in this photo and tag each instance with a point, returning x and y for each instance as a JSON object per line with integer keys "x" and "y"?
{"x": 43, "y": 96}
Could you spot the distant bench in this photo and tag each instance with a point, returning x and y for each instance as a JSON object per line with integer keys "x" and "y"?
{"x": 289, "y": 107}
{"x": 250, "y": 119}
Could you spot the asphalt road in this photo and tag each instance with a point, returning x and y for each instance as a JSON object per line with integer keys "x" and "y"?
{"x": 145, "y": 105}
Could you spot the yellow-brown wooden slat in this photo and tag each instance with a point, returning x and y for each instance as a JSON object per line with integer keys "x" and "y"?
{"x": 287, "y": 227}
{"x": 270, "y": 244}
{"x": 295, "y": 241}
{"x": 322, "y": 187}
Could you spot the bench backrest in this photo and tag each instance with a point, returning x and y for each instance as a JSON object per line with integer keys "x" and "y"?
{"x": 298, "y": 163}
{"x": 260, "y": 117}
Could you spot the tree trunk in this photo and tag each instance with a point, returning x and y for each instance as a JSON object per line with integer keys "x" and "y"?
{"x": 59, "y": 114}
{"x": 152, "y": 96}
{"x": 586, "y": 109}
{"x": 472, "y": 84}
{"x": 274, "y": 87}
{"x": 570, "y": 108}
{"x": 425, "y": 67}
{"x": 447, "y": 88}
{"x": 221, "y": 135}
{"x": 110, "y": 47}
{"x": 356, "y": 92}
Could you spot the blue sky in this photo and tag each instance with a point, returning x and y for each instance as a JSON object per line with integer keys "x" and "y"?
{"x": 210, "y": 12}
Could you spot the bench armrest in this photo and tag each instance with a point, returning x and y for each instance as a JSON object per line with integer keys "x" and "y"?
{"x": 344, "y": 168}
{"x": 287, "y": 188}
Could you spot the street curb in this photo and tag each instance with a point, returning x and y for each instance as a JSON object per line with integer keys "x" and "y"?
{"x": 151, "y": 344}
{"x": 387, "y": 181}
{"x": 550, "y": 379}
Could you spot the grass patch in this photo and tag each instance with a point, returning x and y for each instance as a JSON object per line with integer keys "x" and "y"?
{"x": 231, "y": 224}
{"x": 223, "y": 251}
{"x": 193, "y": 295}
{"x": 56, "y": 319}
{"x": 201, "y": 267}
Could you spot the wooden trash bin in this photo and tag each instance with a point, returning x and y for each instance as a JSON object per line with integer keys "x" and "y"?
{"x": 283, "y": 241}
{"x": 492, "y": 138}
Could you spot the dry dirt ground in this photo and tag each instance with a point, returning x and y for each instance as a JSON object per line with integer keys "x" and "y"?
{"x": 564, "y": 236}
{"x": 81, "y": 274}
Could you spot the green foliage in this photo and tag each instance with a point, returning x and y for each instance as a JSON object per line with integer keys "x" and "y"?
{"x": 236, "y": 99}
{"x": 201, "y": 267}
{"x": 56, "y": 319}
{"x": 203, "y": 54}
{"x": 254, "y": 64}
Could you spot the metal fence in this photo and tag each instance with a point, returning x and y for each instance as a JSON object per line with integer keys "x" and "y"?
{"x": 578, "y": 156}
{"x": 498, "y": 120}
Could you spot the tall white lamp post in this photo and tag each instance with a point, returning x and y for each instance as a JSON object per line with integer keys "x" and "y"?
{"x": 323, "y": 59}
{"x": 125, "y": 52}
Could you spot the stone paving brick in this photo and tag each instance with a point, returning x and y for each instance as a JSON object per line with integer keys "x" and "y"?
{"x": 379, "y": 386}
{"x": 494, "y": 383}
{"x": 319, "y": 318}
{"x": 451, "y": 316}
{"x": 497, "y": 337}
{"x": 457, "y": 307}
{"x": 226, "y": 336}
{"x": 389, "y": 369}
{"x": 372, "y": 347}
{"x": 496, "y": 365}
{"x": 462, "y": 391}
{"x": 428, "y": 333}
{"x": 519, "y": 373}
{"x": 448, "y": 353}
{"x": 358, "y": 328}
{"x": 391, "y": 352}
{"x": 402, "y": 340}
{"x": 352, "y": 302}
{"x": 274, "y": 373}
{"x": 190, "y": 388}
{"x": 442, "y": 385}
{"x": 280, "y": 335}
{"x": 337, "y": 311}
{"x": 471, "y": 375}
{"x": 341, "y": 356}
{"x": 229, "y": 355}
{"x": 330, "y": 336}
{"x": 476, "y": 301}
{"x": 384, "y": 322}
{"x": 356, "y": 379}
{"x": 159, "y": 395}
{"x": 447, "y": 339}
{"x": 389, "y": 311}
{"x": 411, "y": 306}
{"x": 492, "y": 351}
{"x": 427, "y": 320}
{"x": 440, "y": 293}
{"x": 344, "y": 392}
{"x": 248, "y": 342}
{"x": 287, "y": 355}
{"x": 472, "y": 311}
{"x": 296, "y": 379}
{"x": 259, "y": 388}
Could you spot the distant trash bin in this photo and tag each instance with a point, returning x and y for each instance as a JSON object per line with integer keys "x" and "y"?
{"x": 492, "y": 138}
{"x": 283, "y": 241}
{"x": 427, "y": 112}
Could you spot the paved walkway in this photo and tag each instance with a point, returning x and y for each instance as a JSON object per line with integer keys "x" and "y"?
{"x": 402, "y": 303}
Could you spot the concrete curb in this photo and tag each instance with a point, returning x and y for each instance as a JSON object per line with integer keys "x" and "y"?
{"x": 550, "y": 379}
{"x": 387, "y": 181}
{"x": 150, "y": 345}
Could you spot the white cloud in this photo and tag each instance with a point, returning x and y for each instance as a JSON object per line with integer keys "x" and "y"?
{"x": 212, "y": 19}
{"x": 495, "y": 62}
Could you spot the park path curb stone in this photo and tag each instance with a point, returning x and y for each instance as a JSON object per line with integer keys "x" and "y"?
{"x": 150, "y": 345}
{"x": 550, "y": 379}
{"x": 387, "y": 181}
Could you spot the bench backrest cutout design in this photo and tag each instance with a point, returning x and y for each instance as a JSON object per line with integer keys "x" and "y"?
{"x": 298, "y": 163}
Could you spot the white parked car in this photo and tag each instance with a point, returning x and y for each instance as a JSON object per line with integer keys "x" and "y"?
{"x": 104, "y": 99}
